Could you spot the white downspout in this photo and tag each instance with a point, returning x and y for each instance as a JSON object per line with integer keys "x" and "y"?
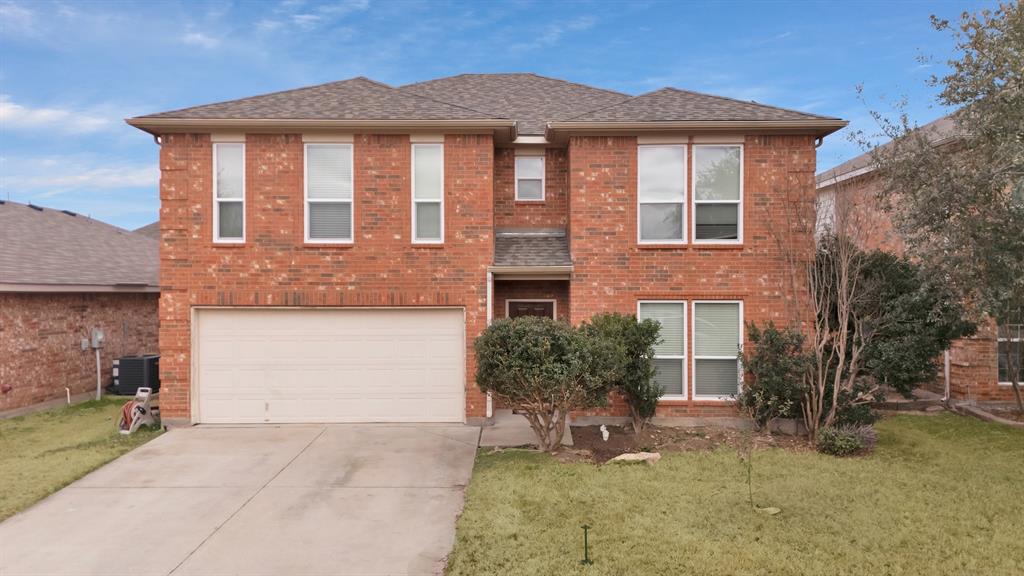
{"x": 945, "y": 374}
{"x": 490, "y": 317}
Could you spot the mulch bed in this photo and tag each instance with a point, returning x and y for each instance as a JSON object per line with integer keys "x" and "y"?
{"x": 588, "y": 444}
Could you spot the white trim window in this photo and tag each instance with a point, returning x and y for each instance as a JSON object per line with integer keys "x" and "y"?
{"x": 529, "y": 178}
{"x": 661, "y": 194}
{"x": 229, "y": 193}
{"x": 670, "y": 353}
{"x": 329, "y": 182}
{"x": 718, "y": 194}
{"x": 428, "y": 193}
{"x": 1010, "y": 348}
{"x": 717, "y": 337}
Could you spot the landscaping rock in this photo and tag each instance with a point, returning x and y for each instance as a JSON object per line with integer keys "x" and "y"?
{"x": 649, "y": 457}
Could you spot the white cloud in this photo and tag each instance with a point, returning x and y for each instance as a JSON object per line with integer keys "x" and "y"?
{"x": 15, "y": 18}
{"x": 23, "y": 117}
{"x": 200, "y": 39}
{"x": 47, "y": 176}
{"x": 305, "y": 20}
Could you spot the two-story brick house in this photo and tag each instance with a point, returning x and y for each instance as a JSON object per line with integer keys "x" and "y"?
{"x": 330, "y": 253}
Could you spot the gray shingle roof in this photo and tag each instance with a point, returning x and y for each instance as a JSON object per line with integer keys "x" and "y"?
{"x": 151, "y": 230}
{"x": 937, "y": 132}
{"x": 52, "y": 247}
{"x": 675, "y": 105}
{"x": 353, "y": 99}
{"x": 530, "y": 99}
{"x": 531, "y": 250}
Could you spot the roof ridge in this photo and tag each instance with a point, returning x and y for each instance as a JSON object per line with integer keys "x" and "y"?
{"x": 274, "y": 93}
{"x": 534, "y": 74}
{"x": 630, "y": 99}
{"x": 685, "y": 91}
{"x": 79, "y": 217}
{"x": 608, "y": 90}
{"x": 422, "y": 97}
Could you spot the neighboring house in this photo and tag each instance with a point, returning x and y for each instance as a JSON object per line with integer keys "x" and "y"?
{"x": 62, "y": 275}
{"x": 976, "y": 367}
{"x": 330, "y": 253}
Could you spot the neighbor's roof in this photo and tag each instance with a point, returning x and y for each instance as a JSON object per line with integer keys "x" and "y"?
{"x": 527, "y": 104}
{"x": 938, "y": 132}
{"x": 512, "y": 249}
{"x": 151, "y": 230}
{"x": 47, "y": 250}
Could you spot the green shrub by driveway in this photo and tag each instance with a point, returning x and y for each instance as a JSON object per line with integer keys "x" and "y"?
{"x": 940, "y": 495}
{"x": 43, "y": 452}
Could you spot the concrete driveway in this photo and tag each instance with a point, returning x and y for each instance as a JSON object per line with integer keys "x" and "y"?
{"x": 261, "y": 500}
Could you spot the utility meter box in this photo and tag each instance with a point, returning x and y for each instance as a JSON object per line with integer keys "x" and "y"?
{"x": 97, "y": 338}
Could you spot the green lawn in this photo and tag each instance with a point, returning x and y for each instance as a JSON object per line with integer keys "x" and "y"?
{"x": 43, "y": 452}
{"x": 941, "y": 495}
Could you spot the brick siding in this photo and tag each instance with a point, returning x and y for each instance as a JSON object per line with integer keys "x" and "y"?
{"x": 41, "y": 334}
{"x": 551, "y": 213}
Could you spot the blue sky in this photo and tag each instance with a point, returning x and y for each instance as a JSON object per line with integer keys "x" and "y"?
{"x": 70, "y": 72}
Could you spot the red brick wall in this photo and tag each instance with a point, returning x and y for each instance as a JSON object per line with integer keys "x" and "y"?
{"x": 557, "y": 290}
{"x": 40, "y": 341}
{"x": 274, "y": 267}
{"x": 551, "y": 213}
{"x": 612, "y": 271}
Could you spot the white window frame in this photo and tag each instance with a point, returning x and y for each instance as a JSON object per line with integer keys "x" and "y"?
{"x": 217, "y": 201}
{"x": 998, "y": 340}
{"x": 306, "y": 199}
{"x": 554, "y": 304}
{"x": 738, "y": 357}
{"x": 739, "y": 202}
{"x": 543, "y": 176}
{"x": 686, "y": 343}
{"x": 412, "y": 188}
{"x": 685, "y": 203}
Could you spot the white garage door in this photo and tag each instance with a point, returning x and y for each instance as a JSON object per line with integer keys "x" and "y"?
{"x": 320, "y": 365}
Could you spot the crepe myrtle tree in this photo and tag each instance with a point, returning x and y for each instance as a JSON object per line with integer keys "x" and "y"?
{"x": 544, "y": 369}
{"x": 633, "y": 343}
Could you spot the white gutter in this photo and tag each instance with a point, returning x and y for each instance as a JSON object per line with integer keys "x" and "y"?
{"x": 65, "y": 288}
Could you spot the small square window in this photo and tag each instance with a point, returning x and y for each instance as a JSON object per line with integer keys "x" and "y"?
{"x": 530, "y": 178}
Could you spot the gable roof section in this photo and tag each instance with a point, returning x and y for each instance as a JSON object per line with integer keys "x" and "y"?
{"x": 353, "y": 99}
{"x": 151, "y": 230}
{"x": 530, "y": 99}
{"x": 48, "y": 250}
{"x": 675, "y": 105}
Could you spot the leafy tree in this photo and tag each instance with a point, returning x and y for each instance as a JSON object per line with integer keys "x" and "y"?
{"x": 777, "y": 363}
{"x": 634, "y": 343}
{"x": 544, "y": 369}
{"x": 960, "y": 205}
{"x": 918, "y": 319}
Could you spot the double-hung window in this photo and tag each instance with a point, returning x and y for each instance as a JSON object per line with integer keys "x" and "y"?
{"x": 661, "y": 194}
{"x": 670, "y": 354}
{"x": 229, "y": 193}
{"x": 718, "y": 194}
{"x": 428, "y": 193}
{"x": 530, "y": 178}
{"x": 716, "y": 341}
{"x": 329, "y": 184}
{"x": 1011, "y": 352}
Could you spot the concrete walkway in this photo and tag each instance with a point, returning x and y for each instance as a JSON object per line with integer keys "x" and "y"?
{"x": 513, "y": 430}
{"x": 262, "y": 500}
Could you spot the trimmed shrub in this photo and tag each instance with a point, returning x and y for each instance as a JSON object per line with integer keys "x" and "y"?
{"x": 544, "y": 369}
{"x": 633, "y": 343}
{"x": 776, "y": 363}
{"x": 846, "y": 440}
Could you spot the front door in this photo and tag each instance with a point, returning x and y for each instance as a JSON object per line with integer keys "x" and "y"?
{"x": 541, "y": 308}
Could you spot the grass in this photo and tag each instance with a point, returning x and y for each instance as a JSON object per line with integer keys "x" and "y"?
{"x": 43, "y": 452}
{"x": 940, "y": 495}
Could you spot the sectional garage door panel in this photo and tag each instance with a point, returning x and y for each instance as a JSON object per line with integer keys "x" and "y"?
{"x": 367, "y": 365}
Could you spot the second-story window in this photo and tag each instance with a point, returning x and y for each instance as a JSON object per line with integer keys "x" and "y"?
{"x": 229, "y": 193}
{"x": 428, "y": 193}
{"x": 329, "y": 185}
{"x": 718, "y": 194}
{"x": 530, "y": 178}
{"x": 661, "y": 194}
